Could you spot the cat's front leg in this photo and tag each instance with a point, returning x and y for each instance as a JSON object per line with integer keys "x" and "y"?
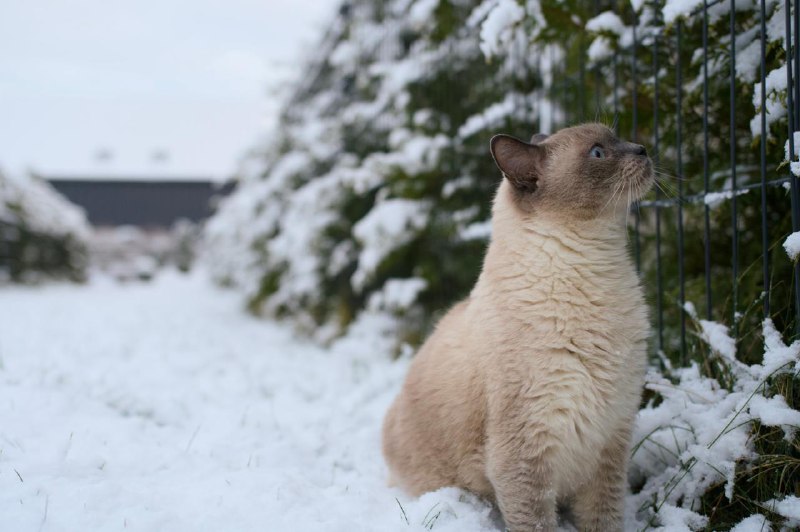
{"x": 523, "y": 484}
{"x": 598, "y": 505}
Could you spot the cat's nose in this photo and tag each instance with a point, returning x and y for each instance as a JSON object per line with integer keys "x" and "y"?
{"x": 639, "y": 150}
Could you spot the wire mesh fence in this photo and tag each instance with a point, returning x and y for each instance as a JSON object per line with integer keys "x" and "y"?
{"x": 710, "y": 235}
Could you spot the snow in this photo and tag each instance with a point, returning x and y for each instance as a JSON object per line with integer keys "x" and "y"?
{"x": 792, "y": 245}
{"x": 387, "y": 226}
{"x": 676, "y": 8}
{"x": 715, "y": 199}
{"x": 607, "y": 21}
{"x": 492, "y": 116}
{"x": 421, "y": 12}
{"x": 748, "y": 58}
{"x": 794, "y": 165}
{"x": 163, "y": 407}
{"x": 777, "y": 354}
{"x": 753, "y": 523}
{"x": 601, "y": 48}
{"x": 675, "y": 519}
{"x": 775, "y": 412}
{"x": 37, "y": 206}
{"x": 345, "y": 55}
{"x": 775, "y": 104}
{"x": 714, "y": 334}
{"x": 477, "y": 231}
{"x": 397, "y": 294}
{"x": 454, "y": 185}
{"x": 788, "y": 507}
{"x": 496, "y": 30}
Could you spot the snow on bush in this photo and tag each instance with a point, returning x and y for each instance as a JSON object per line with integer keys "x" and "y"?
{"x": 606, "y": 21}
{"x": 792, "y": 245}
{"x": 33, "y": 204}
{"x": 421, "y": 12}
{"x": 502, "y": 23}
{"x": 794, "y": 165}
{"x": 397, "y": 294}
{"x": 46, "y": 233}
{"x": 702, "y": 430}
{"x": 715, "y": 199}
{"x": 389, "y": 224}
{"x": 363, "y": 166}
{"x": 492, "y": 116}
{"x": 601, "y": 48}
{"x": 673, "y": 9}
{"x": 496, "y": 30}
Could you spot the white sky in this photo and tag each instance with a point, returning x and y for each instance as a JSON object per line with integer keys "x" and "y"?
{"x": 195, "y": 78}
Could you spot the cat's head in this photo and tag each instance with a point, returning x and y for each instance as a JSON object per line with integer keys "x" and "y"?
{"x": 582, "y": 172}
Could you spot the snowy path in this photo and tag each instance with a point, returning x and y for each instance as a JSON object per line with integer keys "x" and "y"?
{"x": 163, "y": 406}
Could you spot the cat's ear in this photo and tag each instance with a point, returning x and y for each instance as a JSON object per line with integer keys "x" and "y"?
{"x": 521, "y": 163}
{"x": 539, "y": 138}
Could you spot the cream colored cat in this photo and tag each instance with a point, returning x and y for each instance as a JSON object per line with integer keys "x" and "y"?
{"x": 526, "y": 392}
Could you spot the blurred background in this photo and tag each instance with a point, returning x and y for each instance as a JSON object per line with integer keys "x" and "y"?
{"x": 140, "y": 114}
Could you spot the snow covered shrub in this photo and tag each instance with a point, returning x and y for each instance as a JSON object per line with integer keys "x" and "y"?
{"x": 41, "y": 232}
{"x": 717, "y": 441}
{"x": 396, "y": 108}
{"x": 379, "y": 184}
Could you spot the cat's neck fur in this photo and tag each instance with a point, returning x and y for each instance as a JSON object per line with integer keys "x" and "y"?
{"x": 533, "y": 255}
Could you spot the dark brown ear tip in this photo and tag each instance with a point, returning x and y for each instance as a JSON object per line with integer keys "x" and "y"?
{"x": 502, "y": 137}
{"x": 497, "y": 138}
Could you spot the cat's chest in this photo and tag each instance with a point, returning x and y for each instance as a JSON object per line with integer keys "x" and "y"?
{"x": 582, "y": 414}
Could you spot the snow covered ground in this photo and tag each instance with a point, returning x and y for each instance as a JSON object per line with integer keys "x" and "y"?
{"x": 163, "y": 406}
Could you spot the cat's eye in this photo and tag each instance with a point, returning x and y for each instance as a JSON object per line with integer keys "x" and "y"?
{"x": 597, "y": 152}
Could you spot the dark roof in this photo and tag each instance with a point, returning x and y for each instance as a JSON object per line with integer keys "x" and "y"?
{"x": 141, "y": 202}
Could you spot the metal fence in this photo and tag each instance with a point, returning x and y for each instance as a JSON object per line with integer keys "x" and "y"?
{"x": 712, "y": 233}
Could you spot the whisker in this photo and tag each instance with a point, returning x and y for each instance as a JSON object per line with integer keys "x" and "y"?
{"x": 619, "y": 196}
{"x": 670, "y": 188}
{"x": 662, "y": 189}
{"x": 663, "y": 185}
{"x": 662, "y": 173}
{"x": 669, "y": 192}
{"x": 627, "y": 217}
{"x": 613, "y": 195}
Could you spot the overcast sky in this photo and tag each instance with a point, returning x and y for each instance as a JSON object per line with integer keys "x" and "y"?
{"x": 193, "y": 78}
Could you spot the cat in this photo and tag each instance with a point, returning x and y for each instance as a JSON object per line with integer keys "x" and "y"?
{"x": 526, "y": 391}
